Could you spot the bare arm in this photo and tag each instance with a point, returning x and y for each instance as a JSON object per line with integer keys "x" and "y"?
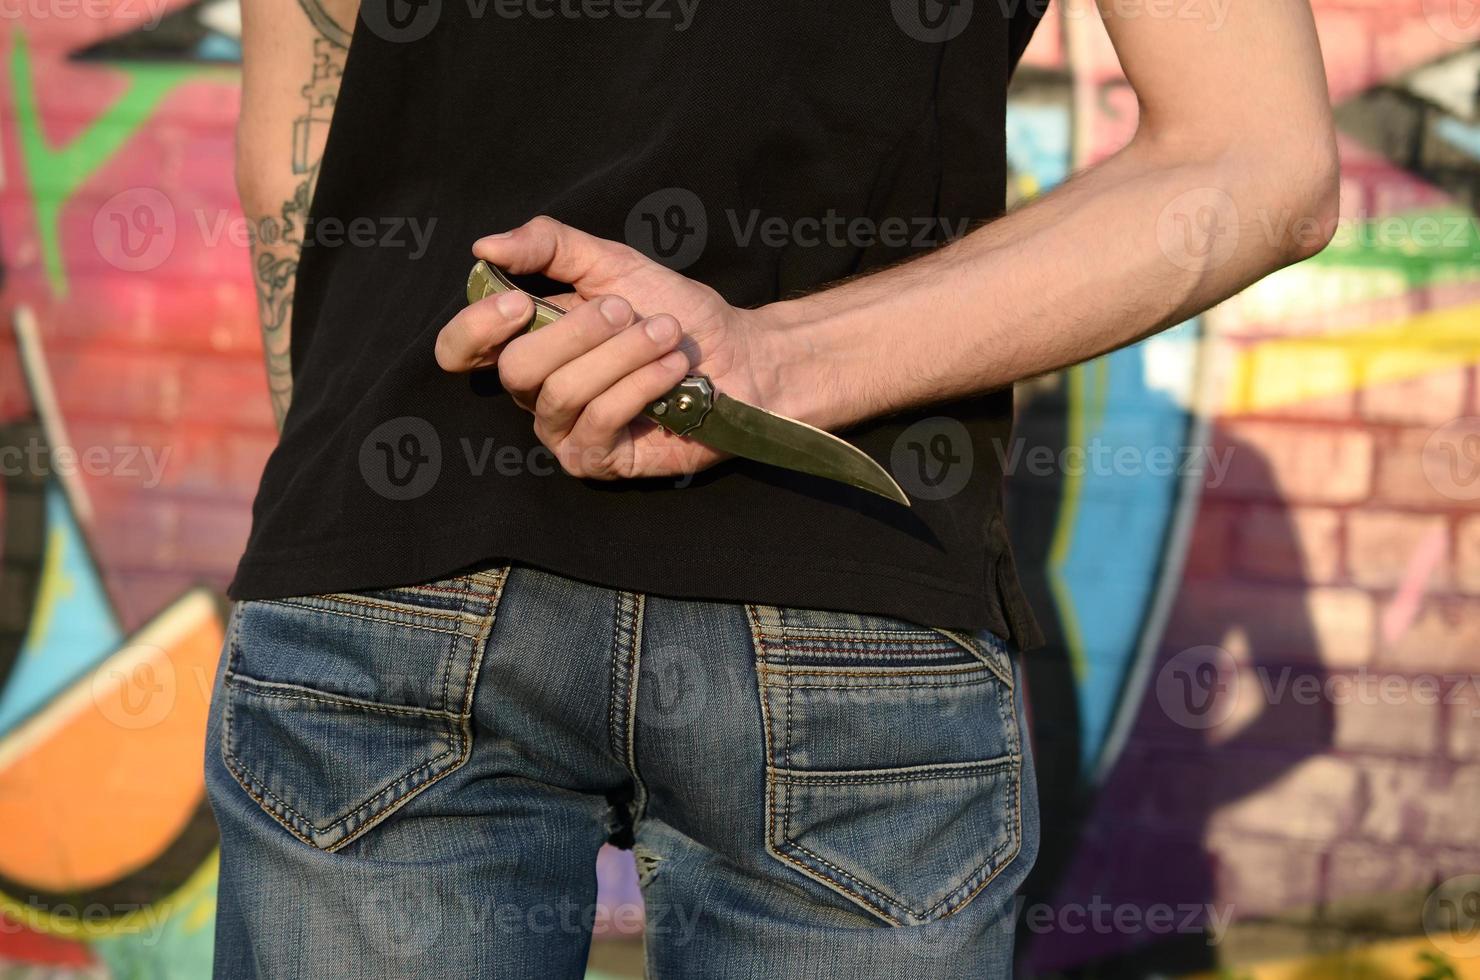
{"x": 1232, "y": 174}
{"x": 292, "y": 55}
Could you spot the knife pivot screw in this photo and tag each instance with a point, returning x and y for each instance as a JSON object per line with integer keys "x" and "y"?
{"x": 685, "y": 402}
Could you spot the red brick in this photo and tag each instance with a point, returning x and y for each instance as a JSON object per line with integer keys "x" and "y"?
{"x": 1428, "y": 398}
{"x": 1382, "y": 546}
{"x": 1444, "y": 636}
{"x": 1462, "y": 715}
{"x": 1295, "y": 544}
{"x": 1316, "y": 799}
{"x": 1412, "y": 465}
{"x": 1296, "y": 462}
{"x": 1357, "y": 869}
{"x": 1415, "y": 803}
{"x": 1385, "y": 714}
{"x": 1323, "y": 624}
{"x": 1467, "y": 555}
{"x": 1257, "y": 875}
{"x": 1210, "y": 552}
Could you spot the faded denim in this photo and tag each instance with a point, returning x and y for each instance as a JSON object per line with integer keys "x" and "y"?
{"x": 414, "y": 782}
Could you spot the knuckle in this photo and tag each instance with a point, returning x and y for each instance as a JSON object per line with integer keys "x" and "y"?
{"x": 514, "y": 372}
{"x": 602, "y": 417}
{"x": 555, "y": 398}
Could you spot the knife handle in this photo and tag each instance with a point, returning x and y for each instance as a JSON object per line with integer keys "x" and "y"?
{"x": 680, "y": 411}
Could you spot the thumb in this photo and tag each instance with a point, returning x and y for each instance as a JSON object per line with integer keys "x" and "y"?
{"x": 473, "y": 338}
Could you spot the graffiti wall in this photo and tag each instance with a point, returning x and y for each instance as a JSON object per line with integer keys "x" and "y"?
{"x": 1254, "y": 540}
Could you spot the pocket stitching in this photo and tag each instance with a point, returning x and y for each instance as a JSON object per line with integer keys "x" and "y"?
{"x": 461, "y": 739}
{"x": 907, "y": 774}
{"x": 246, "y": 775}
{"x": 762, "y": 644}
{"x": 763, "y": 649}
{"x": 349, "y": 598}
{"x": 969, "y": 644}
{"x": 292, "y": 692}
{"x": 333, "y": 611}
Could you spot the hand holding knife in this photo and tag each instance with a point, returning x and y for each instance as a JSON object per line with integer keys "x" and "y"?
{"x": 694, "y": 410}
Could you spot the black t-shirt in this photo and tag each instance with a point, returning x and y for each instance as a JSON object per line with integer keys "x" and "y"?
{"x": 765, "y": 147}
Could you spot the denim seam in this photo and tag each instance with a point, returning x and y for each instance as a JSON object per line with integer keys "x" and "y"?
{"x": 969, "y": 644}
{"x": 249, "y": 779}
{"x": 461, "y": 740}
{"x": 352, "y": 600}
{"x": 865, "y": 656}
{"x": 762, "y": 651}
{"x": 390, "y": 787}
{"x": 761, "y": 640}
{"x": 889, "y": 687}
{"x": 639, "y": 613}
{"x": 264, "y": 689}
{"x": 877, "y": 672}
{"x": 612, "y": 724}
{"x": 464, "y": 738}
{"x": 979, "y": 661}
{"x": 802, "y": 777}
{"x": 351, "y": 615}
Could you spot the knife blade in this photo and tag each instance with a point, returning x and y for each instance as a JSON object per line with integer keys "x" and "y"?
{"x": 693, "y": 409}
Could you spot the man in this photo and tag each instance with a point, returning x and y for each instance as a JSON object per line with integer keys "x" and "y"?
{"x": 491, "y": 617}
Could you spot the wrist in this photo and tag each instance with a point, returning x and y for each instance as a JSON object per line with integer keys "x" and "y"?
{"x": 807, "y": 367}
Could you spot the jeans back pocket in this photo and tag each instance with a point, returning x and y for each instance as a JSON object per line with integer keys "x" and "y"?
{"x": 894, "y": 758}
{"x": 338, "y": 709}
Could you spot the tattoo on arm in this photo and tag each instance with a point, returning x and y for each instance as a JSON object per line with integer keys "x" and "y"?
{"x": 279, "y": 240}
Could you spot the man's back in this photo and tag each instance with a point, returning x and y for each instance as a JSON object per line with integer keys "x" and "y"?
{"x": 764, "y": 149}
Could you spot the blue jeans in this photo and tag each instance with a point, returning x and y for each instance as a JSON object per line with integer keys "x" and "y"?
{"x": 414, "y": 782}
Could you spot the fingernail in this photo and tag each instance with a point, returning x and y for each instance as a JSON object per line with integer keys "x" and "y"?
{"x": 510, "y": 304}
{"x": 660, "y": 329}
{"x": 616, "y": 311}
{"x": 674, "y": 359}
{"x": 496, "y": 236}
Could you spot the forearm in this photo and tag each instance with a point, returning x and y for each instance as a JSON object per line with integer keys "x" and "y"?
{"x": 292, "y": 58}
{"x": 1144, "y": 240}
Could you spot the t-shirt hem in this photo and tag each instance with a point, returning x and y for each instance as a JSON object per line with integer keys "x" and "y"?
{"x": 746, "y": 577}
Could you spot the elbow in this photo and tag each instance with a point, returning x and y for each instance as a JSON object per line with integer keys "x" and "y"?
{"x": 1307, "y": 195}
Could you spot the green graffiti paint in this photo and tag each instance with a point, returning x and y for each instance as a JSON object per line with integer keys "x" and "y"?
{"x": 55, "y": 174}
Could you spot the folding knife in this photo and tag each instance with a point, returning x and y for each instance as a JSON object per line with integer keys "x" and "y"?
{"x": 693, "y": 409}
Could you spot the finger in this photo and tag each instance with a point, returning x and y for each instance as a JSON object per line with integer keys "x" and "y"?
{"x": 605, "y": 419}
{"x": 568, "y": 392}
{"x": 568, "y": 301}
{"x": 558, "y": 251}
{"x": 473, "y": 338}
{"x": 527, "y": 362}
